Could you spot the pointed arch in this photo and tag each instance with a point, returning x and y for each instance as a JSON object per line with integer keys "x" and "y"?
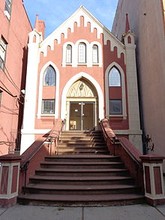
{"x": 114, "y": 77}
{"x": 93, "y": 82}
{"x": 123, "y": 85}
{"x": 49, "y": 76}
{"x": 57, "y": 80}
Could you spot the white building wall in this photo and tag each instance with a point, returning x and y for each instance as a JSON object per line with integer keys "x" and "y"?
{"x": 132, "y": 88}
{"x": 28, "y": 136}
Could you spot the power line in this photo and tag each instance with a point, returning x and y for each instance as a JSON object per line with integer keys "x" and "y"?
{"x": 7, "y": 90}
{"x": 10, "y": 78}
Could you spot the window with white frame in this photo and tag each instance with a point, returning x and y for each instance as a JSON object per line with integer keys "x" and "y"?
{"x": 115, "y": 90}
{"x": 95, "y": 54}
{"x": 3, "y": 48}
{"x": 68, "y": 53}
{"x": 115, "y": 107}
{"x": 8, "y": 5}
{"x": 48, "y": 106}
{"x": 49, "y": 76}
{"x": 114, "y": 77}
{"x": 82, "y": 53}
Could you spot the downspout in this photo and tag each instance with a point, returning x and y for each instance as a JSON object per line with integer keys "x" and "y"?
{"x": 141, "y": 112}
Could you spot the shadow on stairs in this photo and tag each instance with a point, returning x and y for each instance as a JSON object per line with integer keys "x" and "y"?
{"x": 83, "y": 173}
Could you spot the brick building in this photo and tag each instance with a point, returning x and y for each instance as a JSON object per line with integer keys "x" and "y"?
{"x": 81, "y": 73}
{"x": 14, "y": 30}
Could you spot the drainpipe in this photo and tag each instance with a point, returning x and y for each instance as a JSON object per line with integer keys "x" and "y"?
{"x": 141, "y": 112}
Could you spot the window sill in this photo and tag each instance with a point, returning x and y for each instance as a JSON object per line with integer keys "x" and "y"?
{"x": 48, "y": 86}
{"x": 82, "y": 64}
{"x": 47, "y": 115}
{"x": 118, "y": 117}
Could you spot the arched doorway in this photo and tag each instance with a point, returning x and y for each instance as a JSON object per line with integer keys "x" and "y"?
{"x": 81, "y": 106}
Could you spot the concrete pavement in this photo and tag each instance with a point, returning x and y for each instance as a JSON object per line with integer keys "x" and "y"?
{"x": 130, "y": 212}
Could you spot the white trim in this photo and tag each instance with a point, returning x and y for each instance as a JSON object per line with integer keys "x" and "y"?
{"x": 132, "y": 88}
{"x": 82, "y": 53}
{"x": 88, "y": 17}
{"x": 64, "y": 63}
{"x": 89, "y": 61}
{"x": 31, "y": 84}
{"x": 96, "y": 85}
{"x": 87, "y": 55}
{"x": 9, "y": 193}
{"x": 39, "y": 115}
{"x": 100, "y": 55}
{"x": 35, "y": 131}
{"x": 114, "y": 64}
{"x": 153, "y": 195}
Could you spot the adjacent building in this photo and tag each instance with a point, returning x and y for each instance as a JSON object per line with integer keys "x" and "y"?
{"x": 81, "y": 73}
{"x": 147, "y": 21}
{"x": 14, "y": 30}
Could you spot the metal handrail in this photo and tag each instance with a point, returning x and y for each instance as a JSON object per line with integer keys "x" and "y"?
{"x": 25, "y": 162}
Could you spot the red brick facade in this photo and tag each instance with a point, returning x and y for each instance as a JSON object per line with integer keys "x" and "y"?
{"x": 81, "y": 86}
{"x": 14, "y": 30}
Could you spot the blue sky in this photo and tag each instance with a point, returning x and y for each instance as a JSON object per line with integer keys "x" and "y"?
{"x": 55, "y": 12}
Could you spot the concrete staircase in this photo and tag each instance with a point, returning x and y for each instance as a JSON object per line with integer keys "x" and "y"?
{"x": 83, "y": 173}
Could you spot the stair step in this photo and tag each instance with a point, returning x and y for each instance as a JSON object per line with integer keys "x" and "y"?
{"x": 80, "y": 189}
{"x": 83, "y": 164}
{"x": 81, "y": 172}
{"x": 82, "y": 142}
{"x": 83, "y": 179}
{"x": 84, "y": 158}
{"x": 82, "y": 139}
{"x": 87, "y": 200}
{"x": 82, "y": 150}
{"x": 81, "y": 146}
{"x": 81, "y": 134}
{"x": 79, "y": 138}
{"x": 64, "y": 151}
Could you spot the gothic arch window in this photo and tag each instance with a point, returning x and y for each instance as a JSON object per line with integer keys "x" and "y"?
{"x": 95, "y": 54}
{"x": 49, "y": 76}
{"x": 68, "y": 53}
{"x": 48, "y": 101}
{"x": 82, "y": 53}
{"x": 114, "y": 78}
{"x": 48, "y": 91}
{"x": 115, "y": 92}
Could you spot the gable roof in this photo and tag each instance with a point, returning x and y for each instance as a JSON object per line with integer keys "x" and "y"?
{"x": 75, "y": 17}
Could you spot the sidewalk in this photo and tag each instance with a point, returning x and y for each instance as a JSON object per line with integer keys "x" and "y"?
{"x": 131, "y": 212}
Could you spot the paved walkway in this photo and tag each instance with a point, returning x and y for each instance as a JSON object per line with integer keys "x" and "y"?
{"x": 131, "y": 212}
